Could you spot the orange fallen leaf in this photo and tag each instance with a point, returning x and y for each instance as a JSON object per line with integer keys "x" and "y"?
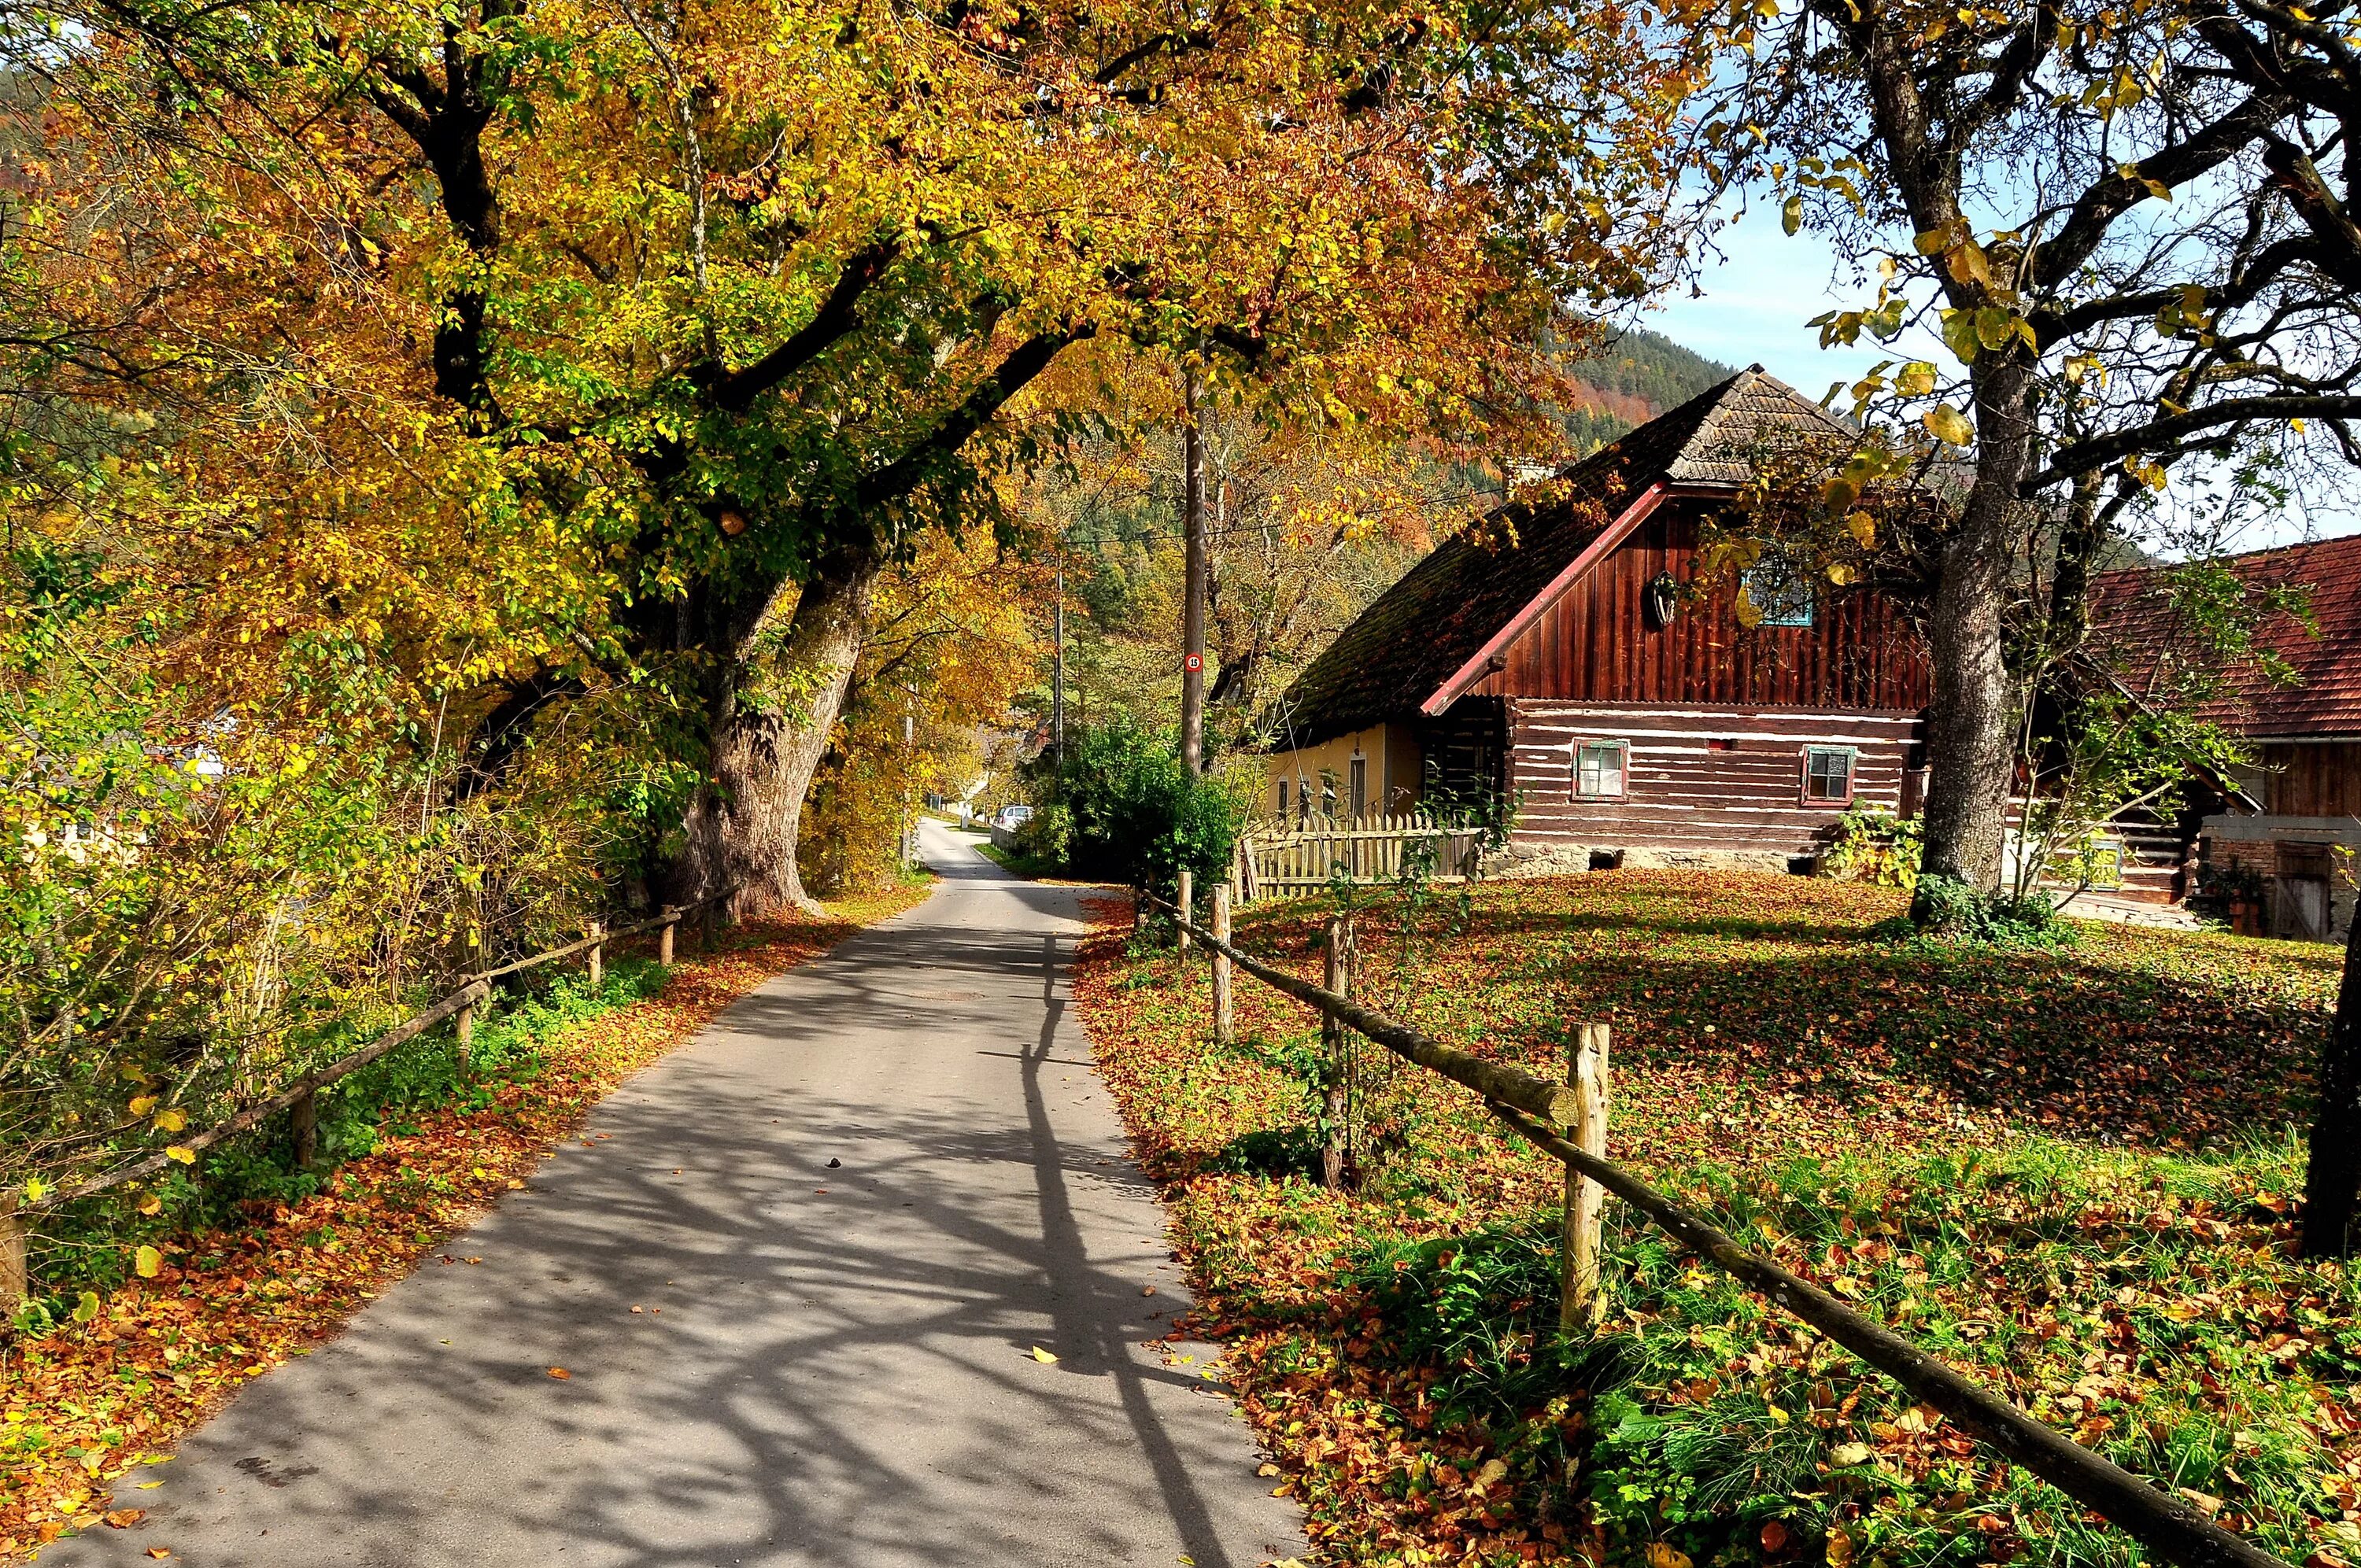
{"x": 159, "y": 1551}
{"x": 560, "y": 1374}
{"x": 123, "y": 1519}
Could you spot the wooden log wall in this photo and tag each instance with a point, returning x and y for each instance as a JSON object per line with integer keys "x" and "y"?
{"x": 1697, "y": 778}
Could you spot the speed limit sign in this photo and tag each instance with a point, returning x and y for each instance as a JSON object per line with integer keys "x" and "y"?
{"x": 1192, "y": 663}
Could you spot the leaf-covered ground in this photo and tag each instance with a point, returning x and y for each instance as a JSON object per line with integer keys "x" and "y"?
{"x": 2068, "y": 1172}
{"x": 84, "y": 1407}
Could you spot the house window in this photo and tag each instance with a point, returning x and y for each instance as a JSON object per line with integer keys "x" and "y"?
{"x": 1780, "y": 586}
{"x": 1360, "y": 785}
{"x": 1827, "y": 773}
{"x": 1282, "y": 797}
{"x": 1328, "y": 792}
{"x": 1598, "y": 770}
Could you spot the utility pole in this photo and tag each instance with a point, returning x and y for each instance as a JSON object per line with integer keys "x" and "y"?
{"x": 1193, "y": 615}
{"x": 1057, "y": 673}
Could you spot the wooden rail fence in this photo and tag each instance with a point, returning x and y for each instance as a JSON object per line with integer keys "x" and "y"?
{"x": 300, "y": 1099}
{"x": 1544, "y": 1113}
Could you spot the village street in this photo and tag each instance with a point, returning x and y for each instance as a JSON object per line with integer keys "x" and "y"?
{"x": 794, "y": 1277}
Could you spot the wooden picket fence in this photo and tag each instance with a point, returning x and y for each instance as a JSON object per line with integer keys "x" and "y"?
{"x": 1568, "y": 1122}
{"x": 1288, "y": 859}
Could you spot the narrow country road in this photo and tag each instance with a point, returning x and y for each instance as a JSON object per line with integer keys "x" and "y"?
{"x": 841, "y": 1370}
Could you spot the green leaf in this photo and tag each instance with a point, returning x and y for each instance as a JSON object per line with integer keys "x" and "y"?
{"x": 1950, "y": 424}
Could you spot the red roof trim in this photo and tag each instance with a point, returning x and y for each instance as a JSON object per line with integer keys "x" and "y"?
{"x": 1479, "y": 665}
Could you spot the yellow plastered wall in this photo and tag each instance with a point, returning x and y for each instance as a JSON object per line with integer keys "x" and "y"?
{"x": 1393, "y": 763}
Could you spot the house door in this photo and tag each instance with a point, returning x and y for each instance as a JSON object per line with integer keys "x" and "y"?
{"x": 1360, "y": 787}
{"x": 2300, "y": 910}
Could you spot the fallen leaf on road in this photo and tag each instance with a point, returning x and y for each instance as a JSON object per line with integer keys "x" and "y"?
{"x": 1150, "y": 1292}
{"x": 1042, "y": 1355}
{"x": 560, "y": 1374}
{"x": 123, "y": 1519}
{"x": 159, "y": 1551}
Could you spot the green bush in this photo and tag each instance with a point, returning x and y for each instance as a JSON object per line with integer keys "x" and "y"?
{"x": 1874, "y": 846}
{"x": 1947, "y": 909}
{"x": 1047, "y": 836}
{"x": 1138, "y": 818}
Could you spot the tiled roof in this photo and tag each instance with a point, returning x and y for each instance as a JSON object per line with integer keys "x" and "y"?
{"x": 1442, "y": 611}
{"x": 2138, "y": 629}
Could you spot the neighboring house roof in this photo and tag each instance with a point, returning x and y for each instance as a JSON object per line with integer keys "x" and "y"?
{"x": 1407, "y": 647}
{"x": 2138, "y": 629}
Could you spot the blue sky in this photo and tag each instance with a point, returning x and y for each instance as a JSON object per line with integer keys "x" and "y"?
{"x": 1756, "y": 298}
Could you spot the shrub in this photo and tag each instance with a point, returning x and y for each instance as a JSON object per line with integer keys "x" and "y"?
{"x": 1138, "y": 816}
{"x": 1947, "y": 909}
{"x": 1873, "y": 845}
{"x": 1047, "y": 836}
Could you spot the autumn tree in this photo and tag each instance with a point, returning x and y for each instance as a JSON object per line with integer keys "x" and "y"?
{"x": 2117, "y": 221}
{"x": 711, "y": 311}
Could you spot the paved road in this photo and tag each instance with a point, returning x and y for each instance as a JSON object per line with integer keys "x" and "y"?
{"x": 837, "y": 1376}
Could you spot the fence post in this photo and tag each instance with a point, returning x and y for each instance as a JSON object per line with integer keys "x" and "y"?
{"x": 1188, "y": 901}
{"x": 1224, "y": 1028}
{"x": 598, "y": 953}
{"x": 1578, "y": 1293}
{"x": 463, "y": 1027}
{"x": 14, "y": 1282}
{"x": 664, "y": 937}
{"x": 303, "y": 1121}
{"x": 1338, "y": 977}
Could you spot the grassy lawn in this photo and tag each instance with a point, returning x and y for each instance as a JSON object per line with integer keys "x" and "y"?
{"x": 2068, "y": 1173}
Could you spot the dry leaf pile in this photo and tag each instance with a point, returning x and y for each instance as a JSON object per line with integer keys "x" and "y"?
{"x": 2069, "y": 1173}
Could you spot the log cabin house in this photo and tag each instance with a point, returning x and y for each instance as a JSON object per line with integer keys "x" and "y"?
{"x": 2270, "y": 848}
{"x": 1553, "y": 654}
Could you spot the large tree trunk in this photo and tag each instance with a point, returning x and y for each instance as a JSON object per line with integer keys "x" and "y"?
{"x": 771, "y": 726}
{"x": 1971, "y": 719}
{"x": 2332, "y": 1184}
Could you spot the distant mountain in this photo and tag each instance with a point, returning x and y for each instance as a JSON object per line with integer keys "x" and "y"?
{"x": 1635, "y": 377}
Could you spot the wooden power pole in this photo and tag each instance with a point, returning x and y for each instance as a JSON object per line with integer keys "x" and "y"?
{"x": 1193, "y": 615}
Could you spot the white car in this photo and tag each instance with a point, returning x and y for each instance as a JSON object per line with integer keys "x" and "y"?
{"x": 1009, "y": 818}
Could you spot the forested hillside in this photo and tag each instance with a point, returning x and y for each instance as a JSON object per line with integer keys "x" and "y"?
{"x": 1637, "y": 375}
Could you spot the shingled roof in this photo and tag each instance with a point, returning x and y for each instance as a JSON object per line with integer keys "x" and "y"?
{"x": 1421, "y": 631}
{"x": 2135, "y": 626}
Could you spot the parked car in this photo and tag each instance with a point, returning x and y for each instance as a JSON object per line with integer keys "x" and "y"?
{"x": 1011, "y": 818}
